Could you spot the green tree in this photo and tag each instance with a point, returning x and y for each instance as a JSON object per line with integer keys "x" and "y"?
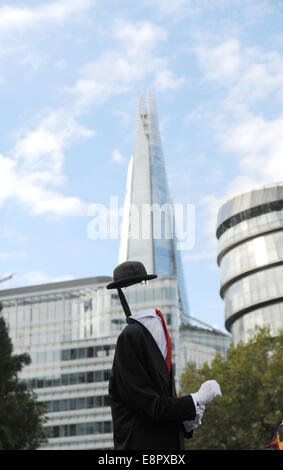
{"x": 251, "y": 406}
{"x": 21, "y": 415}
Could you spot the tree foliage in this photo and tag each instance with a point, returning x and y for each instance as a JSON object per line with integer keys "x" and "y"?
{"x": 251, "y": 406}
{"x": 21, "y": 415}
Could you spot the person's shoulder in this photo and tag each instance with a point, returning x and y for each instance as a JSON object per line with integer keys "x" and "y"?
{"x": 132, "y": 328}
{"x": 132, "y": 331}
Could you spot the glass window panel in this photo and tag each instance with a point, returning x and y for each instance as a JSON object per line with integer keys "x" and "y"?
{"x": 107, "y": 427}
{"x": 72, "y": 430}
{"x": 49, "y": 354}
{"x": 90, "y": 428}
{"x": 90, "y": 402}
{"x": 65, "y": 379}
{"x": 57, "y": 381}
{"x": 90, "y": 352}
{"x": 98, "y": 375}
{"x": 55, "y": 405}
{"x": 81, "y": 403}
{"x": 90, "y": 377}
{"x": 82, "y": 353}
{"x": 73, "y": 354}
{"x": 40, "y": 383}
{"x": 81, "y": 429}
{"x": 98, "y": 428}
{"x": 48, "y": 382}
{"x": 56, "y": 356}
{"x": 66, "y": 355}
{"x": 73, "y": 403}
{"x": 73, "y": 379}
{"x": 106, "y": 374}
{"x": 82, "y": 377}
{"x": 255, "y": 288}
{"x": 48, "y": 406}
{"x": 64, "y": 405}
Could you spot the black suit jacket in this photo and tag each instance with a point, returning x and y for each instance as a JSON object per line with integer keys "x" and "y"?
{"x": 146, "y": 412}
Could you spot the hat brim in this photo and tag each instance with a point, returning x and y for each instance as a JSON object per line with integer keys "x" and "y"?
{"x": 129, "y": 281}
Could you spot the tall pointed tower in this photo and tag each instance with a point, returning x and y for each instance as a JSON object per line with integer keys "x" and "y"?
{"x": 148, "y": 228}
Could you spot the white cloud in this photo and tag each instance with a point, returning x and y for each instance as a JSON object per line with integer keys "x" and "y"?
{"x": 165, "y": 80}
{"x": 220, "y": 63}
{"x": 181, "y": 9}
{"x": 250, "y": 79}
{"x": 12, "y": 255}
{"x": 248, "y": 74}
{"x": 35, "y": 277}
{"x": 14, "y": 18}
{"x": 125, "y": 117}
{"x": 258, "y": 144}
{"x": 33, "y": 175}
{"x": 177, "y": 9}
{"x": 117, "y": 157}
{"x": 200, "y": 113}
{"x": 19, "y": 23}
{"x": 61, "y": 64}
{"x": 32, "y": 172}
{"x": 12, "y": 233}
{"x": 139, "y": 38}
{"x": 171, "y": 6}
{"x": 32, "y": 60}
{"x": 195, "y": 257}
{"x": 132, "y": 59}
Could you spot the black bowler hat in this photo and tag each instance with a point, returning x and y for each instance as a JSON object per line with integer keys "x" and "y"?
{"x": 128, "y": 273}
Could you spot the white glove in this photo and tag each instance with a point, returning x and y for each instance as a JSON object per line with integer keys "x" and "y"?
{"x": 208, "y": 390}
{"x": 193, "y": 424}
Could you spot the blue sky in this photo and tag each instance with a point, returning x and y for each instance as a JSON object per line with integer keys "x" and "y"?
{"x": 71, "y": 73}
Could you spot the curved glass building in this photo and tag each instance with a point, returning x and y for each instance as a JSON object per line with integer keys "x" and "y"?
{"x": 250, "y": 256}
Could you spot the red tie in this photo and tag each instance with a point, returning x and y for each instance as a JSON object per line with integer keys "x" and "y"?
{"x": 169, "y": 344}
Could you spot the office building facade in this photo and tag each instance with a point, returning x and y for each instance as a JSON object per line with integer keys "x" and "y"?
{"x": 70, "y": 331}
{"x": 250, "y": 257}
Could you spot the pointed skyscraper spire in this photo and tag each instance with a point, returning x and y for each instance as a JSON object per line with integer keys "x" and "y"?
{"x": 148, "y": 232}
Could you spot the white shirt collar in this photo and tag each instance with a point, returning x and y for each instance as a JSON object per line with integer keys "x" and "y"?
{"x": 148, "y": 312}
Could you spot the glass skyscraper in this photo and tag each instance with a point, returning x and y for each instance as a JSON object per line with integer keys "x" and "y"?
{"x": 70, "y": 328}
{"x": 250, "y": 256}
{"x": 148, "y": 221}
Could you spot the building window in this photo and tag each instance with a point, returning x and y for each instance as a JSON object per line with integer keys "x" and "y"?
{"x": 89, "y": 377}
{"x": 115, "y": 299}
{"x": 80, "y": 403}
{"x": 88, "y": 305}
{"x": 73, "y": 429}
{"x": 168, "y": 319}
{"x": 68, "y": 379}
{"x": 90, "y": 352}
{"x": 117, "y": 325}
{"x": 107, "y": 427}
{"x": 67, "y": 430}
{"x": 73, "y": 354}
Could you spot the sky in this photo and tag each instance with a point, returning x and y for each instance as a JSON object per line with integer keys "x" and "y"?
{"x": 71, "y": 73}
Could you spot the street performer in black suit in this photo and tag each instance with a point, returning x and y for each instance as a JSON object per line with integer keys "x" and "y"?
{"x": 146, "y": 412}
